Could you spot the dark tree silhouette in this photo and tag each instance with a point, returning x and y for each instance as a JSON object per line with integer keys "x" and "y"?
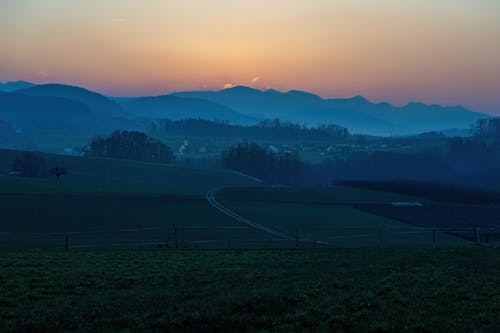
{"x": 268, "y": 165}
{"x": 486, "y": 128}
{"x": 58, "y": 171}
{"x": 30, "y": 165}
{"x": 131, "y": 145}
{"x": 271, "y": 129}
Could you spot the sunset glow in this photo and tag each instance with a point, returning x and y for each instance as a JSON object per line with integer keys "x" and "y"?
{"x": 444, "y": 51}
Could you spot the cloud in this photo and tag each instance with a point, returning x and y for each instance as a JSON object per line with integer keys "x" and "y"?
{"x": 255, "y": 79}
{"x": 42, "y": 74}
{"x": 228, "y": 85}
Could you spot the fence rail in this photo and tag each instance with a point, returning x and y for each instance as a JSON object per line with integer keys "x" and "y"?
{"x": 238, "y": 237}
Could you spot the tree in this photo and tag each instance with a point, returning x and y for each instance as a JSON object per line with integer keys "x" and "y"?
{"x": 486, "y": 128}
{"x": 58, "y": 171}
{"x": 270, "y": 164}
{"x": 30, "y": 165}
{"x": 131, "y": 145}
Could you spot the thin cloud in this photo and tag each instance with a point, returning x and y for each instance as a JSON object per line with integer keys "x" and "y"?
{"x": 42, "y": 74}
{"x": 255, "y": 79}
{"x": 228, "y": 85}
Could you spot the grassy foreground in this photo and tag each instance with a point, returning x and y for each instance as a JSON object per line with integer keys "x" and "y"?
{"x": 385, "y": 289}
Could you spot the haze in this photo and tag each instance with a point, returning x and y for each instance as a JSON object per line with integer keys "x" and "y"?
{"x": 398, "y": 51}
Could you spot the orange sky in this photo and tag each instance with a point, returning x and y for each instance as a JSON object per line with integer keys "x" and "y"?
{"x": 443, "y": 51}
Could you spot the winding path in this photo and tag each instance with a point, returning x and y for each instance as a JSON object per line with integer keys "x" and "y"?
{"x": 212, "y": 201}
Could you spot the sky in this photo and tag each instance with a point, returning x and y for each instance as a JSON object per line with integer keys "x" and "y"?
{"x": 445, "y": 52}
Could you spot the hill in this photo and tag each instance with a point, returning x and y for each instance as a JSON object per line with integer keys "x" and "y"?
{"x": 24, "y": 111}
{"x": 100, "y": 105}
{"x": 15, "y": 85}
{"x": 264, "y": 104}
{"x": 101, "y": 175}
{"x": 109, "y": 202}
{"x": 357, "y": 114}
{"x": 243, "y": 105}
{"x": 175, "y": 108}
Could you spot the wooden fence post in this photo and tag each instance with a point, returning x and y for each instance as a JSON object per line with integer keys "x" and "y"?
{"x": 176, "y": 239}
{"x": 476, "y": 234}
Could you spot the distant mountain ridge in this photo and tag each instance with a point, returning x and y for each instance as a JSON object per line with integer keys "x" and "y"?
{"x": 99, "y": 104}
{"x": 15, "y": 85}
{"x": 357, "y": 114}
{"x": 175, "y": 108}
{"x": 238, "y": 105}
{"x": 31, "y": 111}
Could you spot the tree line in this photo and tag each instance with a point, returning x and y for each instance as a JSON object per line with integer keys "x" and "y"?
{"x": 472, "y": 160}
{"x": 270, "y": 129}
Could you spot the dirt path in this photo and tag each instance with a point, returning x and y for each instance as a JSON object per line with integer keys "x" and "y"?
{"x": 210, "y": 196}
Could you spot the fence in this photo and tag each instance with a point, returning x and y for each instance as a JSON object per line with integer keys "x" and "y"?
{"x": 238, "y": 237}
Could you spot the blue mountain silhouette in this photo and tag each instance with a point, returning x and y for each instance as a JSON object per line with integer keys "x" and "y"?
{"x": 15, "y": 85}
{"x": 173, "y": 107}
{"x": 97, "y": 103}
{"x": 240, "y": 105}
{"x": 24, "y": 111}
{"x": 356, "y": 113}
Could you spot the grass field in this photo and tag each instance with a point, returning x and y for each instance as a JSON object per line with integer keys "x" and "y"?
{"x": 363, "y": 290}
{"x": 329, "y": 215}
{"x": 42, "y": 221}
{"x": 469, "y": 221}
{"x": 118, "y": 176}
{"x": 115, "y": 202}
{"x": 106, "y": 202}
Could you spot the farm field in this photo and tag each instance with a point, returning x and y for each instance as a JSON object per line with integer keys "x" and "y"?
{"x": 330, "y": 215}
{"x": 305, "y": 290}
{"x": 142, "y": 204}
{"x": 469, "y": 212}
{"x": 44, "y": 221}
{"x": 96, "y": 175}
{"x": 461, "y": 220}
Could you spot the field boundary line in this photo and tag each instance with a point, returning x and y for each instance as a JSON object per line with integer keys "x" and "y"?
{"x": 255, "y": 179}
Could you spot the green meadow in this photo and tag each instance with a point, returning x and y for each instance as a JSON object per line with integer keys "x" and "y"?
{"x": 105, "y": 202}
{"x": 305, "y": 290}
{"x": 330, "y": 215}
{"x": 147, "y": 252}
{"x": 100, "y": 175}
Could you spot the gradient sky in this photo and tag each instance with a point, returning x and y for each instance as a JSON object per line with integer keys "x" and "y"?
{"x": 445, "y": 51}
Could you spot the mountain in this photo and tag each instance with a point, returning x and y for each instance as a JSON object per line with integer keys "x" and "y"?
{"x": 358, "y": 114}
{"x": 262, "y": 104}
{"x": 15, "y": 85}
{"x": 354, "y": 121}
{"x": 99, "y": 105}
{"x": 24, "y": 111}
{"x": 240, "y": 105}
{"x": 175, "y": 108}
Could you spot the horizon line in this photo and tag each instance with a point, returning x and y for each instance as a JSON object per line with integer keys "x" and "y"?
{"x": 398, "y": 105}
